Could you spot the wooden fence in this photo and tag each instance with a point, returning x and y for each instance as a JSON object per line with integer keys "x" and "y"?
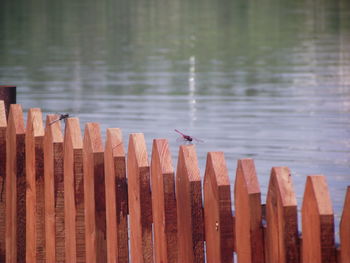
{"x": 68, "y": 198}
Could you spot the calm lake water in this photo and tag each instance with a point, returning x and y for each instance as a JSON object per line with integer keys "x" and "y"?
{"x": 268, "y": 80}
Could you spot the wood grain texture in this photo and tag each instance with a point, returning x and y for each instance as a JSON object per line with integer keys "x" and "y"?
{"x": 345, "y": 230}
{"x": 317, "y": 222}
{"x": 249, "y": 232}
{"x": 35, "y": 206}
{"x": 116, "y": 198}
{"x": 74, "y": 192}
{"x": 3, "y": 128}
{"x": 15, "y": 187}
{"x": 139, "y": 200}
{"x": 189, "y": 207}
{"x": 281, "y": 216}
{"x": 54, "y": 190}
{"x": 163, "y": 203}
{"x": 94, "y": 190}
{"x": 217, "y": 210}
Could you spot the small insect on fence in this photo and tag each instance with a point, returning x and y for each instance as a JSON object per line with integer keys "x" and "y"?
{"x": 68, "y": 197}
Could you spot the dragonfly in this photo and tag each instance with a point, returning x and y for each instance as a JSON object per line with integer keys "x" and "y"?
{"x": 188, "y": 138}
{"x": 61, "y": 117}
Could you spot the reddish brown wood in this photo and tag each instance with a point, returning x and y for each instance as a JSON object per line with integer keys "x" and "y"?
{"x": 8, "y": 95}
{"x": 217, "y": 210}
{"x": 35, "y": 206}
{"x": 15, "y": 187}
{"x": 3, "y": 127}
{"x": 163, "y": 203}
{"x": 345, "y": 230}
{"x": 116, "y": 198}
{"x": 74, "y": 192}
{"x": 189, "y": 207}
{"x": 54, "y": 190}
{"x": 281, "y": 216}
{"x": 140, "y": 203}
{"x": 95, "y": 199}
{"x": 249, "y": 232}
{"x": 318, "y": 222}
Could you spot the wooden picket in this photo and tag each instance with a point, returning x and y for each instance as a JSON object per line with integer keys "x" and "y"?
{"x": 35, "y": 228}
{"x": 249, "y": 232}
{"x": 15, "y": 186}
{"x": 74, "y": 193}
{"x": 54, "y": 189}
{"x": 345, "y": 230}
{"x": 318, "y": 222}
{"x": 3, "y": 128}
{"x": 94, "y": 195}
{"x": 190, "y": 220}
{"x": 217, "y": 210}
{"x": 140, "y": 203}
{"x": 116, "y": 198}
{"x": 163, "y": 203}
{"x": 67, "y": 199}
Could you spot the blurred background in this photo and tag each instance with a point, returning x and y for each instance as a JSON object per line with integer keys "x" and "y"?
{"x": 266, "y": 79}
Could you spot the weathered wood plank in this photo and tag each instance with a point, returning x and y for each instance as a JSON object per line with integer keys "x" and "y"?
{"x": 139, "y": 198}
{"x": 163, "y": 203}
{"x": 35, "y": 206}
{"x": 317, "y": 222}
{"x": 281, "y": 216}
{"x": 189, "y": 207}
{"x": 345, "y": 230}
{"x": 116, "y": 198}
{"x": 15, "y": 187}
{"x": 3, "y": 128}
{"x": 54, "y": 190}
{"x": 249, "y": 232}
{"x": 217, "y": 210}
{"x": 95, "y": 199}
{"x": 74, "y": 192}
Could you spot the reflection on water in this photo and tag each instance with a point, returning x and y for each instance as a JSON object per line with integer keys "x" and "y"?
{"x": 261, "y": 79}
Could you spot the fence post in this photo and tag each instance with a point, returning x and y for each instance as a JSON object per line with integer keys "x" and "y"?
{"x": 35, "y": 206}
{"x": 15, "y": 187}
{"x": 3, "y": 128}
{"x": 281, "y": 215}
{"x": 163, "y": 203}
{"x": 189, "y": 207}
{"x": 73, "y": 192}
{"x": 54, "y": 190}
{"x": 116, "y": 198}
{"x": 317, "y": 222}
{"x": 140, "y": 203}
{"x": 8, "y": 95}
{"x": 217, "y": 210}
{"x": 249, "y": 232}
{"x": 345, "y": 230}
{"x": 95, "y": 199}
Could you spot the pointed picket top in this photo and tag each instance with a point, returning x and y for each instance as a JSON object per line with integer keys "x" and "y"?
{"x": 217, "y": 210}
{"x": 15, "y": 186}
{"x": 248, "y": 214}
{"x": 35, "y": 232}
{"x": 139, "y": 200}
{"x": 317, "y": 222}
{"x": 116, "y": 197}
{"x": 163, "y": 203}
{"x": 73, "y": 192}
{"x": 189, "y": 206}
{"x": 344, "y": 229}
{"x": 94, "y": 190}
{"x": 3, "y": 127}
{"x": 54, "y": 190}
{"x": 281, "y": 217}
